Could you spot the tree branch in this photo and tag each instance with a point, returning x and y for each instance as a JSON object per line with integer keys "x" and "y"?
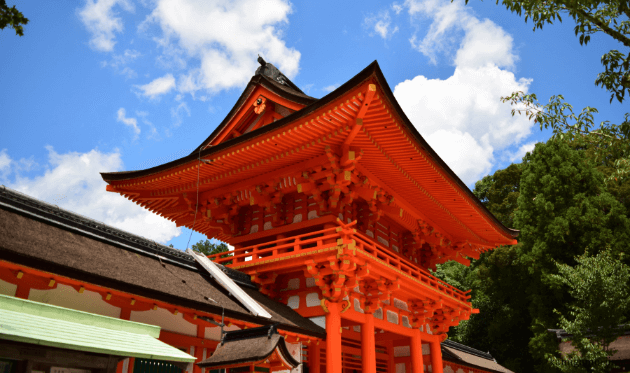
{"x": 610, "y": 31}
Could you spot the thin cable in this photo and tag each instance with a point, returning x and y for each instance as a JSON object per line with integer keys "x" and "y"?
{"x": 197, "y": 199}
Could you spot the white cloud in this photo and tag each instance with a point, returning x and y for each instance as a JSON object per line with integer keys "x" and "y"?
{"x": 131, "y": 122}
{"x": 178, "y": 113}
{"x": 462, "y": 117}
{"x": 5, "y": 164}
{"x": 456, "y": 148}
{"x": 129, "y": 73}
{"x": 518, "y": 155}
{"x": 129, "y": 55}
{"x": 102, "y": 22}
{"x": 157, "y": 87}
{"x": 225, "y": 37}
{"x": 381, "y": 24}
{"x": 119, "y": 61}
{"x": 330, "y": 88}
{"x": 152, "y": 130}
{"x": 72, "y": 181}
{"x": 485, "y": 43}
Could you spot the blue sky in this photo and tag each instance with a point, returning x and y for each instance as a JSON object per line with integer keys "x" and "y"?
{"x": 114, "y": 85}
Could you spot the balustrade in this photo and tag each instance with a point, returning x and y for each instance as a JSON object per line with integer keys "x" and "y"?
{"x": 326, "y": 238}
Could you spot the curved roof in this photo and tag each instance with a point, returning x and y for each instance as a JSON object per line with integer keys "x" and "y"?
{"x": 249, "y": 346}
{"x": 428, "y": 165}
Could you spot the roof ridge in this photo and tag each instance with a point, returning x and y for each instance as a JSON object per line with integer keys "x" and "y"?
{"x": 271, "y": 71}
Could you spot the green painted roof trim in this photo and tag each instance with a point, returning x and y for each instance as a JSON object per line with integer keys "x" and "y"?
{"x": 26, "y": 321}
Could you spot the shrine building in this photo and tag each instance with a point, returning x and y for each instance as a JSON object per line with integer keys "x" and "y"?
{"x": 336, "y": 209}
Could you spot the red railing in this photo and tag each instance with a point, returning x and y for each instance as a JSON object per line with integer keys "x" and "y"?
{"x": 393, "y": 259}
{"x": 325, "y": 238}
{"x": 279, "y": 248}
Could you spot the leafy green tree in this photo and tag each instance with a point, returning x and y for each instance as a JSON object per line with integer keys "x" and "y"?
{"x": 499, "y": 193}
{"x": 608, "y": 17}
{"x": 497, "y": 286}
{"x": 208, "y": 248}
{"x": 497, "y": 282}
{"x": 12, "y": 17}
{"x": 563, "y": 208}
{"x": 609, "y": 143}
{"x": 599, "y": 287}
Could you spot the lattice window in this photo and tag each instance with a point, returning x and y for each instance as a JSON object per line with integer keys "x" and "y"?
{"x": 312, "y": 300}
{"x": 392, "y": 317}
{"x": 293, "y": 284}
{"x": 402, "y": 351}
{"x": 357, "y": 305}
{"x": 310, "y": 282}
{"x": 400, "y": 304}
{"x": 379, "y": 313}
{"x": 294, "y": 302}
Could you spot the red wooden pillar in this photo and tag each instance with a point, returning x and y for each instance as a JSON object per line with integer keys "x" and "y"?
{"x": 314, "y": 358}
{"x": 333, "y": 338}
{"x": 391, "y": 363}
{"x": 368, "y": 347}
{"x": 417, "y": 365}
{"x": 22, "y": 291}
{"x": 436, "y": 356}
{"x": 125, "y": 313}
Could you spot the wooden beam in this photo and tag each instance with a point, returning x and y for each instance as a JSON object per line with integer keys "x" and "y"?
{"x": 369, "y": 95}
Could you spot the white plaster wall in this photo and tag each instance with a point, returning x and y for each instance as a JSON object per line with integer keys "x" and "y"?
{"x": 295, "y": 349}
{"x": 166, "y": 320}
{"x": 7, "y": 288}
{"x": 319, "y": 321}
{"x": 67, "y": 296}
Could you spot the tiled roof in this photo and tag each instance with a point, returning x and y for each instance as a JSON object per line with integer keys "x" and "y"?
{"x": 35, "y": 234}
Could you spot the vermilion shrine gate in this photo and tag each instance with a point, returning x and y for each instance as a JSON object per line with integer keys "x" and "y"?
{"x": 337, "y": 207}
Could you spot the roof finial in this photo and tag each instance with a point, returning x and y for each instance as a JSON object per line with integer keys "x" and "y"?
{"x": 261, "y": 61}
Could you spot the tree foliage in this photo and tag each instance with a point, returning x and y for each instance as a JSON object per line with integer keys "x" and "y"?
{"x": 597, "y": 316}
{"x": 609, "y": 142}
{"x": 573, "y": 193}
{"x": 207, "y": 248}
{"x": 496, "y": 281}
{"x": 609, "y": 17}
{"x": 562, "y": 206}
{"x": 499, "y": 193}
{"x": 12, "y": 17}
